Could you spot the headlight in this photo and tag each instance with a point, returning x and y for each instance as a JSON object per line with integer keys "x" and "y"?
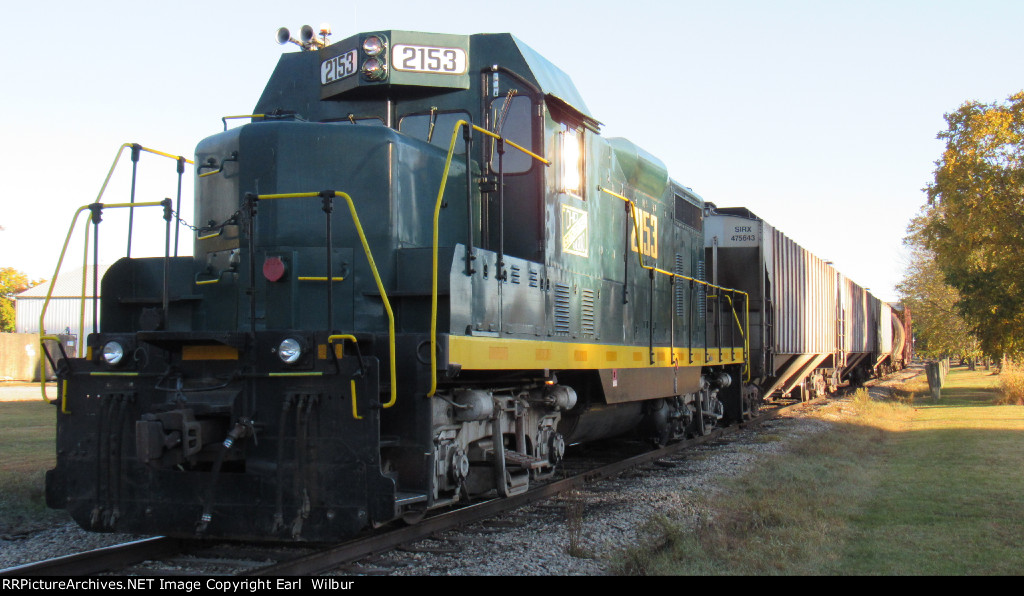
{"x": 374, "y": 69}
{"x": 289, "y": 351}
{"x": 373, "y": 45}
{"x": 112, "y": 352}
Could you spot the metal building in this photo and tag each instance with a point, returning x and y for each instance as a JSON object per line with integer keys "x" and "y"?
{"x": 66, "y": 313}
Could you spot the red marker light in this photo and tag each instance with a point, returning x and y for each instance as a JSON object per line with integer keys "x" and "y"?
{"x": 274, "y": 269}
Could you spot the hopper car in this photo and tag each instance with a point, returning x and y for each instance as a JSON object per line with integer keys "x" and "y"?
{"x": 812, "y": 329}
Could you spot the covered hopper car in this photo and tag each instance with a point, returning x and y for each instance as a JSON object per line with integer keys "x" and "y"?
{"x": 812, "y": 329}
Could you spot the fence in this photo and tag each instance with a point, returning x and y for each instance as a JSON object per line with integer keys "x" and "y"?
{"x": 936, "y": 371}
{"x": 20, "y": 352}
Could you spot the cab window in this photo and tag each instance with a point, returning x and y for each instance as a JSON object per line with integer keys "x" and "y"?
{"x": 511, "y": 117}
{"x": 435, "y": 128}
{"x": 570, "y": 141}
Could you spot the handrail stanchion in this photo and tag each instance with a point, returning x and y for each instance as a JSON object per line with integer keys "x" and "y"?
{"x": 166, "y": 296}
{"x": 131, "y": 210}
{"x": 467, "y": 138}
{"x": 97, "y": 217}
{"x": 327, "y": 204}
{"x": 177, "y": 208}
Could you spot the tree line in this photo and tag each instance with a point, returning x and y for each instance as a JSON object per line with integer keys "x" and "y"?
{"x": 965, "y": 281}
{"x": 12, "y": 282}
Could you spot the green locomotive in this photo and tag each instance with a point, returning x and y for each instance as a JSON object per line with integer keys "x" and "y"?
{"x": 421, "y": 273}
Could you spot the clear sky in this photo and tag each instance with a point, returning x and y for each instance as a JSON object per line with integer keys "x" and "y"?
{"x": 819, "y": 116}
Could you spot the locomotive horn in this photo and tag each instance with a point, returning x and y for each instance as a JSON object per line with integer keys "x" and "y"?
{"x": 308, "y": 37}
{"x": 284, "y": 36}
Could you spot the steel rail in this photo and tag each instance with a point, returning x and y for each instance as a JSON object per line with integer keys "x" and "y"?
{"x": 110, "y": 558}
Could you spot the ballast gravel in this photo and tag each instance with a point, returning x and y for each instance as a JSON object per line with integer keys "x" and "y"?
{"x": 584, "y": 533}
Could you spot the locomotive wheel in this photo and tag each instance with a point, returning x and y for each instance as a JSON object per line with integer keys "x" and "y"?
{"x": 413, "y": 516}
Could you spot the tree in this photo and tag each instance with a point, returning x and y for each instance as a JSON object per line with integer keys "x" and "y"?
{"x": 939, "y": 330}
{"x": 12, "y": 282}
{"x": 974, "y": 220}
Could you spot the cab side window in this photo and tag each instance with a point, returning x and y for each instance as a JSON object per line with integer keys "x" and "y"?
{"x": 511, "y": 117}
{"x": 571, "y": 170}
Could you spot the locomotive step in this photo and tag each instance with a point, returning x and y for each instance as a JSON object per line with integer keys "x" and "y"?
{"x": 407, "y": 498}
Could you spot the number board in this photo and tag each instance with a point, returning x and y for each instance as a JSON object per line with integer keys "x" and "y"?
{"x": 337, "y": 68}
{"x": 429, "y": 59}
{"x": 413, "y": 59}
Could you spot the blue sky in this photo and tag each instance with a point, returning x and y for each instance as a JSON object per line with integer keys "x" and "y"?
{"x": 819, "y": 116}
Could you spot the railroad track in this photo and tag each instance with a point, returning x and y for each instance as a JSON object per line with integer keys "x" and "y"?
{"x": 169, "y": 556}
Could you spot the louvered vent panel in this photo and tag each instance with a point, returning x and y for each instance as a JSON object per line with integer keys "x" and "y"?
{"x": 561, "y": 309}
{"x": 702, "y": 292}
{"x": 682, "y": 287}
{"x": 587, "y": 319}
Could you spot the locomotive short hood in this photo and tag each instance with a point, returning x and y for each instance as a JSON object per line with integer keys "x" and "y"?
{"x": 302, "y": 84}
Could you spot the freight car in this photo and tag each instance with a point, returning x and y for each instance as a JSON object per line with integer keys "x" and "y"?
{"x": 812, "y": 329}
{"x": 420, "y": 273}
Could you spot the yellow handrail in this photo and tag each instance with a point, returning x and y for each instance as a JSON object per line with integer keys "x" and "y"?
{"x": 743, "y": 331}
{"x": 355, "y": 413}
{"x": 56, "y": 272}
{"x": 437, "y": 217}
{"x": 117, "y": 158}
{"x": 373, "y": 269}
{"x": 640, "y": 257}
{"x": 42, "y": 371}
{"x": 352, "y": 382}
{"x": 99, "y": 195}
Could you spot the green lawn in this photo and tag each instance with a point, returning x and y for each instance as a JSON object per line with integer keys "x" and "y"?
{"x": 951, "y": 499}
{"x": 26, "y": 451}
{"x": 904, "y": 487}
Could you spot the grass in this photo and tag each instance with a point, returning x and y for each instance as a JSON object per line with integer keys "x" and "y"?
{"x": 906, "y": 486}
{"x": 1011, "y": 383}
{"x": 27, "y": 437}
